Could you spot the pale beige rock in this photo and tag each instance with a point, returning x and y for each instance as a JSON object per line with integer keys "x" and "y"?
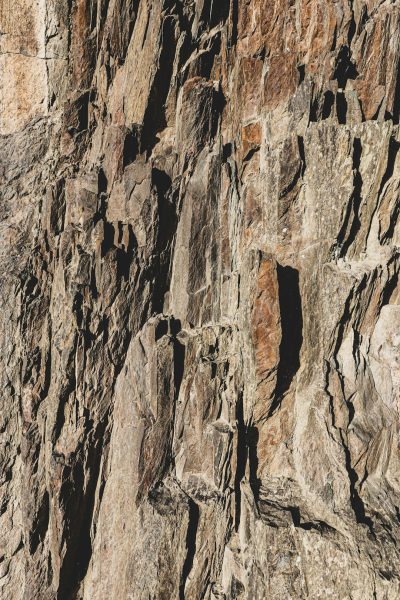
{"x": 23, "y": 95}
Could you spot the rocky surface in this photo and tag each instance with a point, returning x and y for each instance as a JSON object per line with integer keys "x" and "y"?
{"x": 199, "y": 318}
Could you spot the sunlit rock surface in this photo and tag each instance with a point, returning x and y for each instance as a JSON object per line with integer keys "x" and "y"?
{"x": 199, "y": 321}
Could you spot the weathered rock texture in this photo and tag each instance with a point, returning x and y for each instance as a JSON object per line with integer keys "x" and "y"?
{"x": 199, "y": 318}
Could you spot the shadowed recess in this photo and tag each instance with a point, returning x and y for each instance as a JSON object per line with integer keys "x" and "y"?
{"x": 190, "y": 545}
{"x": 292, "y": 331}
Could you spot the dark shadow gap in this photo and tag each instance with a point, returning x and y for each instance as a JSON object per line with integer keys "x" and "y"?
{"x": 155, "y": 118}
{"x": 348, "y": 232}
{"x": 341, "y": 108}
{"x": 329, "y": 100}
{"x": 394, "y": 146}
{"x": 190, "y": 545}
{"x": 345, "y": 69}
{"x": 252, "y": 437}
{"x": 241, "y": 457}
{"x": 77, "y": 494}
{"x": 235, "y": 20}
{"x": 355, "y": 500}
{"x": 40, "y": 524}
{"x": 179, "y": 366}
{"x": 396, "y": 99}
{"x": 292, "y": 331}
{"x": 302, "y": 72}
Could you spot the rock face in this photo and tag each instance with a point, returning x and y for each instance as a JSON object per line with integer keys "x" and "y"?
{"x": 200, "y": 319}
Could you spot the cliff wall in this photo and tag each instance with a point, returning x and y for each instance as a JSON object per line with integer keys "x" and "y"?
{"x": 200, "y": 320}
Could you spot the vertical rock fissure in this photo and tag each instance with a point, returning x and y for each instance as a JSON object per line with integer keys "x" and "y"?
{"x": 193, "y": 523}
{"x": 292, "y": 332}
{"x": 352, "y": 222}
{"x": 355, "y": 499}
{"x": 241, "y": 457}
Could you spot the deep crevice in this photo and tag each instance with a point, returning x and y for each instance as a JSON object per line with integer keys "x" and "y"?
{"x": 348, "y": 232}
{"x": 206, "y": 59}
{"x": 235, "y": 21}
{"x": 302, "y": 72}
{"x": 161, "y": 329}
{"x": 355, "y": 500}
{"x": 77, "y": 495}
{"x": 352, "y": 26}
{"x": 132, "y": 145}
{"x": 218, "y": 105}
{"x": 375, "y": 116}
{"x": 179, "y": 366}
{"x": 191, "y": 534}
{"x": 241, "y": 457}
{"x": 334, "y": 41}
{"x": 226, "y": 152}
{"x": 393, "y": 220}
{"x": 214, "y": 12}
{"x": 330, "y": 397}
{"x": 341, "y": 108}
{"x": 329, "y": 101}
{"x": 314, "y": 110}
{"x": 320, "y": 526}
{"x": 102, "y": 182}
{"x": 125, "y": 255}
{"x": 155, "y": 118}
{"x": 364, "y": 18}
{"x": 246, "y": 456}
{"x": 292, "y": 331}
{"x": 83, "y": 111}
{"x": 108, "y": 238}
{"x": 252, "y": 437}
{"x": 389, "y": 289}
{"x": 393, "y": 149}
{"x": 300, "y": 143}
{"x": 396, "y": 99}
{"x": 40, "y": 524}
{"x": 345, "y": 69}
{"x": 166, "y": 229}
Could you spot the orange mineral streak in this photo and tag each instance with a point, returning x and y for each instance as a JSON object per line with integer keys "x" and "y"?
{"x": 266, "y": 332}
{"x": 375, "y": 67}
{"x": 251, "y": 137}
{"x": 81, "y": 44}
